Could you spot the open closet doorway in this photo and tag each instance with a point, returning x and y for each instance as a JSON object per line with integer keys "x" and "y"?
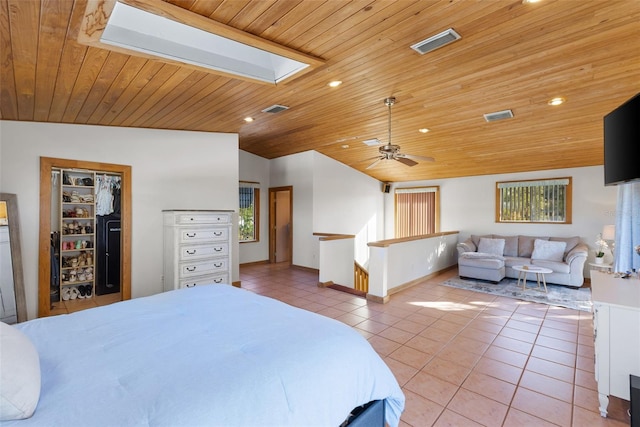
{"x": 280, "y": 224}
{"x": 84, "y": 236}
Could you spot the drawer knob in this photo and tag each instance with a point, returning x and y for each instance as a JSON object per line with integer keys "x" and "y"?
{"x": 217, "y": 280}
{"x": 193, "y": 252}
{"x": 217, "y": 233}
{"x": 191, "y": 234}
{"x": 191, "y": 285}
{"x": 191, "y": 268}
{"x": 217, "y": 265}
{"x": 217, "y": 249}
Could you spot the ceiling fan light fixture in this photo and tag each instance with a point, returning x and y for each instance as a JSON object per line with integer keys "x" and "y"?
{"x": 423, "y": 130}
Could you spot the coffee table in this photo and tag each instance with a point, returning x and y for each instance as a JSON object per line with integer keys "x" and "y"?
{"x": 539, "y": 272}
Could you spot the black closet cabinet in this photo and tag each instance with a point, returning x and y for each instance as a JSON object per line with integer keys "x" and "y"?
{"x": 108, "y": 254}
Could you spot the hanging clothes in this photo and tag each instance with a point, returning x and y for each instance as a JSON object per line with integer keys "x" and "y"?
{"x": 107, "y": 194}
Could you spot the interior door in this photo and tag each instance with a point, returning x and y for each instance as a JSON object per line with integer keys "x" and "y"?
{"x": 280, "y": 224}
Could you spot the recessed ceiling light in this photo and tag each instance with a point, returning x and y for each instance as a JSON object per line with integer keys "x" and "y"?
{"x": 530, "y": 1}
{"x": 345, "y": 146}
{"x": 556, "y": 101}
{"x": 335, "y": 83}
{"x": 248, "y": 119}
{"x": 423, "y": 130}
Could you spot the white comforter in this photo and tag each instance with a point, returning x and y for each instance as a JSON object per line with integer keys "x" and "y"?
{"x": 205, "y": 356}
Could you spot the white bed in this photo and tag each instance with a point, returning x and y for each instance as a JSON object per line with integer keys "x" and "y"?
{"x": 205, "y": 356}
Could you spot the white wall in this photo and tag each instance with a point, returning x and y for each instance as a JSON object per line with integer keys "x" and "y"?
{"x": 468, "y": 205}
{"x": 256, "y": 169}
{"x": 346, "y": 201}
{"x": 170, "y": 170}
{"x": 328, "y": 197}
{"x": 297, "y": 170}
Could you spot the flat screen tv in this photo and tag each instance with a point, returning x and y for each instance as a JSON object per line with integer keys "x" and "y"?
{"x": 621, "y": 142}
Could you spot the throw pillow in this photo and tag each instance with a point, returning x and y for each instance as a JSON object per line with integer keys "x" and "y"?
{"x": 491, "y": 246}
{"x": 525, "y": 245}
{"x": 571, "y": 242}
{"x": 19, "y": 376}
{"x": 510, "y": 245}
{"x": 548, "y": 250}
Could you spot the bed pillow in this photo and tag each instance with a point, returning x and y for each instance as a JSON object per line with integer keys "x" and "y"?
{"x": 548, "y": 250}
{"x": 19, "y": 376}
{"x": 491, "y": 246}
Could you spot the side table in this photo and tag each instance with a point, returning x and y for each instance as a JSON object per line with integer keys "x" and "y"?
{"x": 601, "y": 267}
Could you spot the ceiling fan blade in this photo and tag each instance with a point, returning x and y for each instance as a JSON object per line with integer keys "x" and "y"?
{"x": 420, "y": 158}
{"x": 371, "y": 158}
{"x": 374, "y": 163}
{"x": 406, "y": 161}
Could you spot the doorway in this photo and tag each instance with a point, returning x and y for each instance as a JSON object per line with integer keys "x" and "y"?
{"x": 78, "y": 219}
{"x": 280, "y": 224}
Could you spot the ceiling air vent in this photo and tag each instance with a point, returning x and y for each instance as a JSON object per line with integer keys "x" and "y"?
{"x": 498, "y": 115}
{"x": 275, "y": 108}
{"x": 434, "y": 42}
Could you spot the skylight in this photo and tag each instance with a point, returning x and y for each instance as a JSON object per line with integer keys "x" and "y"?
{"x": 135, "y": 29}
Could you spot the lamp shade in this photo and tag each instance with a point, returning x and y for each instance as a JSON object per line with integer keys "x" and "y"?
{"x": 609, "y": 232}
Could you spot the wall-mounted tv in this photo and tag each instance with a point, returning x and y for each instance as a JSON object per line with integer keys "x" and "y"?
{"x": 621, "y": 142}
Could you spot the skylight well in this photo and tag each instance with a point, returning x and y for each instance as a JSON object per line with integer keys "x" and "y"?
{"x": 230, "y": 52}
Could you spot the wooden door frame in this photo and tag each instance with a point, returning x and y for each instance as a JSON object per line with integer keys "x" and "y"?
{"x": 272, "y": 223}
{"x": 47, "y": 165}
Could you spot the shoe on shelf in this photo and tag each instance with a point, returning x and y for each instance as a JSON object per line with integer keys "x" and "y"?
{"x": 88, "y": 289}
{"x": 66, "y": 294}
{"x": 81, "y": 292}
{"x": 74, "y": 293}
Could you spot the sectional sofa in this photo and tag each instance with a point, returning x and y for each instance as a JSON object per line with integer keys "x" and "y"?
{"x": 492, "y": 257}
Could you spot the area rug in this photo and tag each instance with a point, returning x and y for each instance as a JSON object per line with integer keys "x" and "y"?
{"x": 561, "y": 296}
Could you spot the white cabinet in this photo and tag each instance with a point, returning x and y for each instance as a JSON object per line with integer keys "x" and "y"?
{"x": 197, "y": 248}
{"x": 616, "y": 321}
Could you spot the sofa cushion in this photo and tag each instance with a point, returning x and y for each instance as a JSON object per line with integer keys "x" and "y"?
{"x": 557, "y": 267}
{"x": 525, "y": 245}
{"x": 489, "y": 263}
{"x": 571, "y": 242}
{"x": 491, "y": 246}
{"x": 511, "y": 261}
{"x": 510, "y": 244}
{"x": 476, "y": 239}
{"x": 548, "y": 250}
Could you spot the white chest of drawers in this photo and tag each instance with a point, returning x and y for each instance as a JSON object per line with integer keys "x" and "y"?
{"x": 616, "y": 321}
{"x": 197, "y": 248}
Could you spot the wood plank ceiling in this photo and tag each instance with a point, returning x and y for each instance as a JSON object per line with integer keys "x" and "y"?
{"x": 512, "y": 55}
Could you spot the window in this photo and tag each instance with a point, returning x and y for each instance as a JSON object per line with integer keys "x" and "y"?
{"x": 541, "y": 201}
{"x": 249, "y": 215}
{"x": 417, "y": 211}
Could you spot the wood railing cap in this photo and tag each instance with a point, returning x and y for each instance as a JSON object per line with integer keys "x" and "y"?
{"x": 389, "y": 242}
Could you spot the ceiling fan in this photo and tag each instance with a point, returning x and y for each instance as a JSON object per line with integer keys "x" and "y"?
{"x": 391, "y": 151}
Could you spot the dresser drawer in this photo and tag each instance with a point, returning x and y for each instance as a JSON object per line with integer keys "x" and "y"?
{"x": 208, "y": 280}
{"x": 203, "y": 251}
{"x": 203, "y": 218}
{"x": 199, "y": 268}
{"x": 196, "y": 235}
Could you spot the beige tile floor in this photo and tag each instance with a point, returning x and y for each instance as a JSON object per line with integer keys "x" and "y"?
{"x": 463, "y": 358}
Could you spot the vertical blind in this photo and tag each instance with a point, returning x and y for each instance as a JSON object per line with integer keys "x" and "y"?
{"x": 415, "y": 212}
{"x": 534, "y": 201}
